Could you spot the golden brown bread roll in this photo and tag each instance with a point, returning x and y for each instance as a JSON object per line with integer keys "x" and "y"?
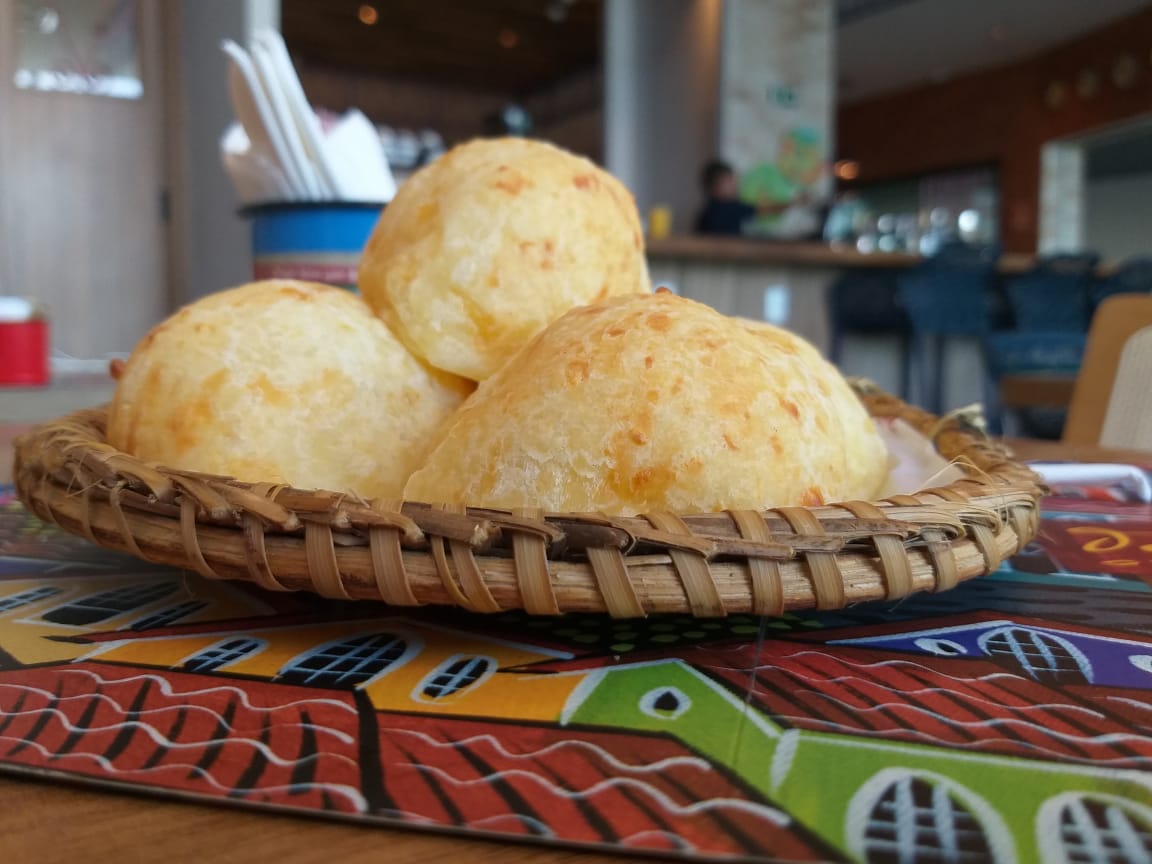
{"x": 482, "y": 249}
{"x": 655, "y": 402}
{"x": 867, "y": 461}
{"x": 282, "y": 381}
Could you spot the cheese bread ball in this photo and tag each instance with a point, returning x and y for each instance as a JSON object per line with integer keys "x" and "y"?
{"x": 287, "y": 382}
{"x": 482, "y": 249}
{"x": 655, "y": 402}
{"x": 837, "y": 411}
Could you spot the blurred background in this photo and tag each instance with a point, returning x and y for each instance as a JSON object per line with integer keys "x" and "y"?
{"x": 796, "y": 160}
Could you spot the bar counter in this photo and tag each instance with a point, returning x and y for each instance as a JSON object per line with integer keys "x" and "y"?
{"x": 787, "y": 284}
{"x": 744, "y": 250}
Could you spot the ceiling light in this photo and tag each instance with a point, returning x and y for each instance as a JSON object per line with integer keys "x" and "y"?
{"x": 1125, "y": 68}
{"x": 846, "y": 169}
{"x": 968, "y": 221}
{"x": 557, "y": 11}
{"x": 508, "y": 38}
{"x": 368, "y": 15}
{"x": 1087, "y": 83}
{"x": 48, "y": 21}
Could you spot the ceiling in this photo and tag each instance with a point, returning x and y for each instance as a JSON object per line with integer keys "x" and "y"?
{"x": 883, "y": 45}
{"x": 509, "y": 46}
{"x": 888, "y": 45}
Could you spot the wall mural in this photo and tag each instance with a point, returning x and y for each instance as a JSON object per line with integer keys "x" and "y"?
{"x": 786, "y": 188}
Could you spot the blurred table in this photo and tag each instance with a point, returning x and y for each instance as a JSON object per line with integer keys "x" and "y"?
{"x": 8, "y": 434}
{"x": 68, "y": 392}
{"x": 43, "y": 822}
{"x": 1056, "y": 451}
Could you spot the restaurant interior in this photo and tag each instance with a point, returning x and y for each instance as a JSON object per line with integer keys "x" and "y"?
{"x": 951, "y": 200}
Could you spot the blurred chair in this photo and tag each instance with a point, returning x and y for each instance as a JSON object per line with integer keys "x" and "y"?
{"x": 946, "y": 296}
{"x": 1036, "y": 362}
{"x": 1035, "y": 373}
{"x": 1081, "y": 264}
{"x": 1054, "y": 295}
{"x": 865, "y": 301}
{"x": 1110, "y": 405}
{"x": 1133, "y": 276}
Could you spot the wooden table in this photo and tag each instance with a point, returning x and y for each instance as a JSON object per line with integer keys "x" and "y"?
{"x": 48, "y": 822}
{"x": 1058, "y": 451}
{"x": 42, "y": 822}
{"x": 8, "y": 433}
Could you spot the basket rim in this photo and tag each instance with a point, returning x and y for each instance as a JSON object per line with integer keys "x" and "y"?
{"x": 410, "y": 553}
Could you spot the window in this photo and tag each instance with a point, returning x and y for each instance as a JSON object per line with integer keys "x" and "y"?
{"x": 169, "y": 614}
{"x": 665, "y": 703}
{"x": 917, "y": 820}
{"x": 347, "y": 663}
{"x": 1143, "y": 662}
{"x": 453, "y": 676}
{"x": 1090, "y": 829}
{"x": 1043, "y": 656}
{"x": 109, "y": 604}
{"x": 223, "y": 653}
{"x": 23, "y": 598}
{"x": 940, "y": 647}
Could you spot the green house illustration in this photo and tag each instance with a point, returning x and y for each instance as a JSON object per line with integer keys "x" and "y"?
{"x": 882, "y": 800}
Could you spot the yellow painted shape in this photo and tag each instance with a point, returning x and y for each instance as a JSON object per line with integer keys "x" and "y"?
{"x": 499, "y": 695}
{"x": 25, "y": 635}
{"x": 287, "y": 643}
{"x": 514, "y": 695}
{"x": 164, "y": 652}
{"x": 284, "y": 643}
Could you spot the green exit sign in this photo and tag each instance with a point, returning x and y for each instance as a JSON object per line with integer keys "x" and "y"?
{"x": 783, "y": 95}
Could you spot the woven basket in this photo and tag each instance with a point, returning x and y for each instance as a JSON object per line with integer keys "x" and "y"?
{"x": 410, "y": 554}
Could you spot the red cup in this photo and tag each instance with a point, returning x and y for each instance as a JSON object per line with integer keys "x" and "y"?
{"x": 24, "y": 353}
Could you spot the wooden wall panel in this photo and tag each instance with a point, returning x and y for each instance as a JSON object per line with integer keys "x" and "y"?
{"x": 1002, "y": 116}
{"x": 455, "y": 112}
{"x": 568, "y": 112}
{"x": 80, "y": 218}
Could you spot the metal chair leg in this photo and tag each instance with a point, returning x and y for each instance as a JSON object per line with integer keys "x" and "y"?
{"x": 836, "y": 346}
{"x": 938, "y": 375}
{"x": 905, "y": 348}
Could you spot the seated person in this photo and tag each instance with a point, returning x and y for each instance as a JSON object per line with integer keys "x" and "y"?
{"x": 723, "y": 211}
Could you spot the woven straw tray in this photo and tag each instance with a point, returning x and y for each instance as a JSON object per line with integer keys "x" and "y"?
{"x": 409, "y": 554}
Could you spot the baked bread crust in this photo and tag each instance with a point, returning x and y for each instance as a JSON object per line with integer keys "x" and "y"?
{"x": 482, "y": 249}
{"x": 656, "y": 402}
{"x": 284, "y": 382}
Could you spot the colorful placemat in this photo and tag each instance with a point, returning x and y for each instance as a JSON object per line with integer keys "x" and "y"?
{"x": 1009, "y": 719}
